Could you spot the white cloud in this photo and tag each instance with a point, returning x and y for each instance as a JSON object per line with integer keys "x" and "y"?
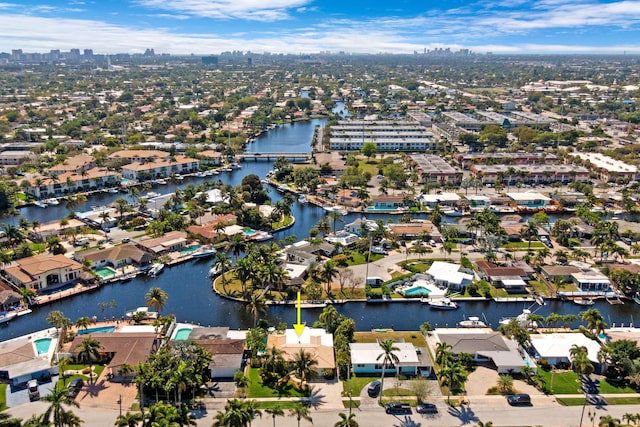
{"x": 256, "y": 10}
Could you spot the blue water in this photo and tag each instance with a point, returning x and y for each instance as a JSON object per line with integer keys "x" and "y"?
{"x": 249, "y": 232}
{"x": 42, "y": 345}
{"x": 416, "y": 291}
{"x": 182, "y": 334}
{"x": 98, "y": 330}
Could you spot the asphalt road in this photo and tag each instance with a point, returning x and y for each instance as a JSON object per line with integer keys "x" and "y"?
{"x": 493, "y": 408}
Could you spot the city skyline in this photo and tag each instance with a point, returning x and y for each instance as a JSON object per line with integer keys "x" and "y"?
{"x": 308, "y": 26}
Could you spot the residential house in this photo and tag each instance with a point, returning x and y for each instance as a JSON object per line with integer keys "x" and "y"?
{"x": 171, "y": 242}
{"x": 343, "y": 238}
{"x": 208, "y": 231}
{"x": 366, "y": 359}
{"x": 529, "y": 200}
{"x": 451, "y": 200}
{"x": 210, "y": 158}
{"x": 479, "y": 202}
{"x": 413, "y": 230}
{"x": 23, "y": 359}
{"x": 315, "y": 341}
{"x": 44, "y": 271}
{"x": 485, "y": 346}
{"x": 591, "y": 281}
{"x": 359, "y": 224}
{"x": 512, "y": 279}
{"x": 450, "y": 275}
{"x": 115, "y": 256}
{"x": 556, "y": 347}
{"x": 159, "y": 168}
{"x": 386, "y": 202}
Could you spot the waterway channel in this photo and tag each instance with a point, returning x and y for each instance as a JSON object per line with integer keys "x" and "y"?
{"x": 189, "y": 288}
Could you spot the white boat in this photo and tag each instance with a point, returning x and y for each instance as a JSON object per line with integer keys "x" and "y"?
{"x": 203, "y": 252}
{"x": 453, "y": 213}
{"x": 335, "y": 209}
{"x": 4, "y": 318}
{"x": 235, "y": 166}
{"x": 522, "y": 318}
{"x": 226, "y": 169}
{"x": 146, "y": 313}
{"x": 262, "y": 236}
{"x": 40, "y": 203}
{"x": 302, "y": 199}
{"x": 156, "y": 269}
{"x": 179, "y": 177}
{"x": 216, "y": 172}
{"x": 443, "y": 304}
{"x": 472, "y": 322}
{"x": 583, "y": 301}
{"x": 53, "y": 202}
{"x": 208, "y": 173}
{"x": 214, "y": 271}
{"x": 161, "y": 181}
{"x": 152, "y": 194}
{"x": 113, "y": 191}
{"x": 200, "y": 174}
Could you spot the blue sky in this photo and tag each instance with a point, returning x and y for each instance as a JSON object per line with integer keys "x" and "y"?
{"x": 296, "y": 26}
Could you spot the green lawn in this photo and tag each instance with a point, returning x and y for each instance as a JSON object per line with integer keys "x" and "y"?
{"x": 62, "y": 382}
{"x": 356, "y": 258}
{"x": 608, "y": 388}
{"x": 522, "y": 246}
{"x": 561, "y": 382}
{"x": 257, "y": 389}
{"x": 3, "y": 397}
{"x": 282, "y": 405}
{"x": 579, "y": 401}
{"x": 398, "y": 392}
{"x": 356, "y": 384}
{"x": 354, "y": 403}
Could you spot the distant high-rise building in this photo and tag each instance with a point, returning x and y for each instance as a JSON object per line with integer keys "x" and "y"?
{"x": 149, "y": 52}
{"x": 249, "y": 62}
{"x": 88, "y": 53}
{"x": 210, "y": 60}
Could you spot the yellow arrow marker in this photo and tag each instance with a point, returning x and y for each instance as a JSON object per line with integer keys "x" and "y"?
{"x": 299, "y": 327}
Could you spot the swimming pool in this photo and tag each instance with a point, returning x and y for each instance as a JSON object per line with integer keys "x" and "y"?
{"x": 105, "y": 272}
{"x": 249, "y": 232}
{"x": 417, "y": 291}
{"x": 98, "y": 330}
{"x": 42, "y": 345}
{"x": 189, "y": 249}
{"x": 182, "y": 334}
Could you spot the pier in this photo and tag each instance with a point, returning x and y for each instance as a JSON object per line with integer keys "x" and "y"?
{"x": 294, "y": 157}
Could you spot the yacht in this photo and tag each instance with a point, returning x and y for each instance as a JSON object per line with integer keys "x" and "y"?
{"x": 583, "y": 301}
{"x": 235, "y": 166}
{"x": 40, "y": 203}
{"x": 161, "y": 181}
{"x": 215, "y": 271}
{"x": 200, "y": 174}
{"x": 113, "y": 191}
{"x": 53, "y": 202}
{"x": 453, "y": 213}
{"x": 302, "y": 199}
{"x": 522, "y": 318}
{"x": 204, "y": 252}
{"x": 156, "y": 269}
{"x": 4, "y": 318}
{"x": 146, "y": 313}
{"x": 262, "y": 236}
{"x": 443, "y": 304}
{"x": 152, "y": 194}
{"x": 472, "y": 322}
{"x": 636, "y": 298}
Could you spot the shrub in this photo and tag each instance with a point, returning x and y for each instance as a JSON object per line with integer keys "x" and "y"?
{"x": 328, "y": 374}
{"x": 544, "y": 365}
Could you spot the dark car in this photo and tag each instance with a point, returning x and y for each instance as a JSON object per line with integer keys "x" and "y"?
{"x": 74, "y": 387}
{"x": 426, "y": 408}
{"x": 397, "y": 408}
{"x": 374, "y": 389}
{"x": 519, "y": 399}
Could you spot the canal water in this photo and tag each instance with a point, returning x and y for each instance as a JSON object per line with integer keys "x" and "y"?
{"x": 183, "y": 282}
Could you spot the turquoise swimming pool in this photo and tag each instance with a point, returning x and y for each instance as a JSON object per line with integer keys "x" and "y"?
{"x": 417, "y": 291}
{"x": 182, "y": 334}
{"x": 98, "y": 330}
{"x": 42, "y": 345}
{"x": 105, "y": 272}
{"x": 189, "y": 249}
{"x": 249, "y": 232}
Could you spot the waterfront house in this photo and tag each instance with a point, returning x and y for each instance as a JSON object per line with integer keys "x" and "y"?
{"x": 54, "y": 228}
{"x": 312, "y": 340}
{"x": 366, "y": 359}
{"x": 591, "y": 281}
{"x": 486, "y": 346}
{"x": 359, "y": 225}
{"x": 120, "y": 348}
{"x": 387, "y": 203}
{"x": 529, "y": 200}
{"x": 511, "y": 278}
{"x": 343, "y": 238}
{"x": 449, "y": 275}
{"x": 44, "y": 271}
{"x": 479, "y": 202}
{"x": 210, "y": 231}
{"x": 556, "y": 347}
{"x": 413, "y": 230}
{"x": 564, "y": 272}
{"x": 228, "y": 352}
{"x": 115, "y": 256}
{"x": 171, "y": 242}
{"x": 451, "y": 200}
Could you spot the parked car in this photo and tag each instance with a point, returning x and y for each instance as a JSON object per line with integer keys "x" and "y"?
{"x": 397, "y": 408}
{"x": 519, "y": 399}
{"x": 32, "y": 387}
{"x": 374, "y": 388}
{"x": 426, "y": 408}
{"x": 74, "y": 387}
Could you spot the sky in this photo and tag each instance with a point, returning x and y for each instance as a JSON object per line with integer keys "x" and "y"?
{"x": 310, "y": 26}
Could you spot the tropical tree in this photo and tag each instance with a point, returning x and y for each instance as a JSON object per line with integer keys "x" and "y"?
{"x": 156, "y": 298}
{"x": 304, "y": 366}
{"x": 275, "y": 411}
{"x": 346, "y": 420}
{"x": 83, "y": 322}
{"x": 89, "y": 352}
{"x": 505, "y": 383}
{"x": 608, "y": 421}
{"x": 235, "y": 414}
{"x": 580, "y": 361}
{"x": 57, "y": 399}
{"x": 300, "y": 411}
{"x": 594, "y": 320}
{"x": 529, "y": 231}
{"x": 256, "y": 305}
{"x": 236, "y": 244}
{"x": 7, "y": 421}
{"x": 57, "y": 319}
{"x": 222, "y": 263}
{"x": 130, "y": 419}
{"x": 388, "y": 357}
{"x": 335, "y": 216}
{"x": 329, "y": 271}
{"x": 453, "y": 375}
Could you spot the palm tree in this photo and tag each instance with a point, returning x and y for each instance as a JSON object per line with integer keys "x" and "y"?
{"x": 252, "y": 409}
{"x": 443, "y": 354}
{"x": 222, "y": 263}
{"x": 301, "y": 411}
{"x": 388, "y": 357}
{"x": 335, "y": 216}
{"x": 452, "y": 375}
{"x": 89, "y": 351}
{"x": 594, "y": 320}
{"x": 156, "y": 298}
{"x": 580, "y": 360}
{"x": 130, "y": 419}
{"x": 346, "y": 420}
{"x": 56, "y": 399}
{"x": 83, "y": 322}
{"x": 608, "y": 421}
{"x": 275, "y": 411}
{"x": 256, "y": 305}
{"x": 7, "y": 421}
{"x": 236, "y": 244}
{"x": 245, "y": 272}
{"x": 235, "y": 415}
{"x": 304, "y": 366}
{"x": 329, "y": 271}
{"x": 529, "y": 231}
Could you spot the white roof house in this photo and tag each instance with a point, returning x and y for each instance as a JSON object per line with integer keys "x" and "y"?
{"x": 449, "y": 274}
{"x": 369, "y": 353}
{"x": 557, "y": 347}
